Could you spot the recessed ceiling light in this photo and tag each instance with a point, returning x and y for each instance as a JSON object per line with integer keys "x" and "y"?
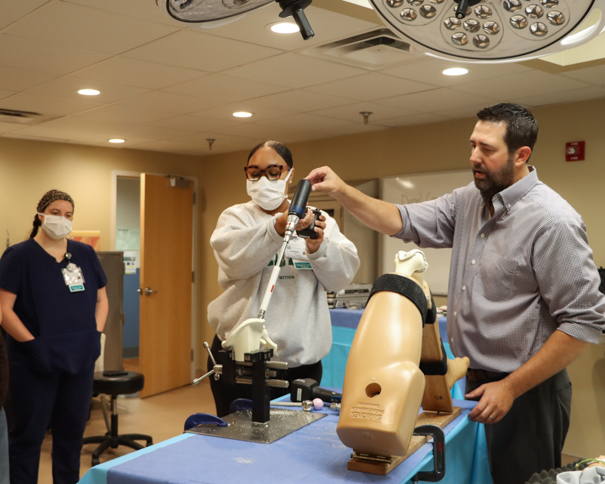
{"x": 454, "y": 71}
{"x": 89, "y": 92}
{"x": 242, "y": 114}
{"x": 116, "y": 140}
{"x": 284, "y": 28}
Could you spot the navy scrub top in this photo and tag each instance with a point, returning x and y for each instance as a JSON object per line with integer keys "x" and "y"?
{"x": 62, "y": 322}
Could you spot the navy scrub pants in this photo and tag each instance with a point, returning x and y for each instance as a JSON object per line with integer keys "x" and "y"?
{"x": 39, "y": 400}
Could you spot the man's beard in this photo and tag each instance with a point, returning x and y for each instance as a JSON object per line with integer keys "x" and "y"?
{"x": 495, "y": 181}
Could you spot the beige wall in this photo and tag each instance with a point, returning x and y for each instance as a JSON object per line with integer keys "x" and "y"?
{"x": 28, "y": 169}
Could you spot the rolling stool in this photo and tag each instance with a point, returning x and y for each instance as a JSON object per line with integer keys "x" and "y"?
{"x": 116, "y": 383}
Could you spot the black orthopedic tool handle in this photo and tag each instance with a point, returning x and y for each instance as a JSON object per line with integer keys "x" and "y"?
{"x": 307, "y": 389}
{"x": 298, "y": 206}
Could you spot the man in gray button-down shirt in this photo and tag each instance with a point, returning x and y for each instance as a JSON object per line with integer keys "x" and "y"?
{"x": 523, "y": 298}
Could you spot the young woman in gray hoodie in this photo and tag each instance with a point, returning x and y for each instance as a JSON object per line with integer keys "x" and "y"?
{"x": 246, "y": 241}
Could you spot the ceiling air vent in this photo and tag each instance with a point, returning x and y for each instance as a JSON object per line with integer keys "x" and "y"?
{"x": 376, "y": 49}
{"x": 19, "y": 117}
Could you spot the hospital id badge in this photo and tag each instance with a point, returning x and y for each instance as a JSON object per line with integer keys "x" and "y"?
{"x": 297, "y": 249}
{"x": 73, "y": 277}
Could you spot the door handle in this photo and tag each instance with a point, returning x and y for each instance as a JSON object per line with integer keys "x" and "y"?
{"x": 147, "y": 291}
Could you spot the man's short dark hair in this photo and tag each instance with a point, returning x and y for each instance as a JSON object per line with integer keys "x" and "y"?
{"x": 521, "y": 126}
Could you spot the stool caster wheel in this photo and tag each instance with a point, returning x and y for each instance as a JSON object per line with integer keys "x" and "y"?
{"x": 95, "y": 461}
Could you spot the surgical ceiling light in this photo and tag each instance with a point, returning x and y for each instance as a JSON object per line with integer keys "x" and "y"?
{"x": 89, "y": 92}
{"x": 485, "y": 31}
{"x": 492, "y": 30}
{"x": 215, "y": 13}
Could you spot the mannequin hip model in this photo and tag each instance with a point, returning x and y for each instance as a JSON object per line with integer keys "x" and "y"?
{"x": 384, "y": 384}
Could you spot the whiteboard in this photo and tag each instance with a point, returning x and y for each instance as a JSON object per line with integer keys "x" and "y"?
{"x": 421, "y": 188}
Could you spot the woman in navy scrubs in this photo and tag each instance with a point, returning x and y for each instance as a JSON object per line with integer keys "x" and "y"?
{"x": 54, "y": 307}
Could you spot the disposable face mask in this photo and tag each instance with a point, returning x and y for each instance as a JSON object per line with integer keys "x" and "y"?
{"x": 268, "y": 195}
{"x": 56, "y": 226}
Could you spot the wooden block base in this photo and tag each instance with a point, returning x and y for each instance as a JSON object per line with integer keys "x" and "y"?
{"x": 383, "y": 468}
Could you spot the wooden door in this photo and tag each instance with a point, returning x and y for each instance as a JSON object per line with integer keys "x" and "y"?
{"x": 166, "y": 278}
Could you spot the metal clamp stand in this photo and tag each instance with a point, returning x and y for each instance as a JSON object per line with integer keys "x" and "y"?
{"x": 261, "y": 393}
{"x": 438, "y": 436}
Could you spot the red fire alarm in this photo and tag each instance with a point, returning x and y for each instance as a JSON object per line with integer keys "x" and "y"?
{"x": 575, "y": 150}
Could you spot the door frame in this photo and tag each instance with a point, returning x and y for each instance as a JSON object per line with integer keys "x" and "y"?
{"x": 115, "y": 174}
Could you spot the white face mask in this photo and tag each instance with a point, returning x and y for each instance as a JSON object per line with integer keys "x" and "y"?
{"x": 56, "y": 226}
{"x": 268, "y": 195}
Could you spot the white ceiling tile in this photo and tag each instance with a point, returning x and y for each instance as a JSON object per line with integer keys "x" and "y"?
{"x": 469, "y": 111}
{"x": 327, "y": 26}
{"x": 300, "y": 101}
{"x": 67, "y": 87}
{"x": 351, "y": 112}
{"x": 16, "y": 135}
{"x": 594, "y": 92}
{"x": 38, "y": 56}
{"x": 125, "y": 114}
{"x": 21, "y": 80}
{"x": 89, "y": 28}
{"x": 197, "y": 50}
{"x": 221, "y": 141}
{"x": 141, "y": 9}
{"x": 371, "y": 86}
{"x": 305, "y": 122}
{"x": 103, "y": 140}
{"x": 4, "y": 94}
{"x": 294, "y": 70}
{"x": 413, "y": 120}
{"x": 429, "y": 71}
{"x": 348, "y": 129}
{"x": 46, "y": 105}
{"x": 435, "y": 100}
{"x": 220, "y": 89}
{"x": 85, "y": 126}
{"x": 12, "y": 11}
{"x": 126, "y": 130}
{"x": 167, "y": 146}
{"x": 594, "y": 75}
{"x": 293, "y": 96}
{"x": 224, "y": 146}
{"x": 195, "y": 123}
{"x": 285, "y": 134}
{"x": 8, "y": 127}
{"x": 134, "y": 72}
{"x": 525, "y": 84}
{"x": 44, "y": 131}
{"x": 225, "y": 112}
{"x": 166, "y": 101}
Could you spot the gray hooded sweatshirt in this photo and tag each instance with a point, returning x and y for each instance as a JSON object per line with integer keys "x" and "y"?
{"x": 245, "y": 245}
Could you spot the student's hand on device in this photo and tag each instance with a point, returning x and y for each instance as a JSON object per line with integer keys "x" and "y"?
{"x": 320, "y": 227}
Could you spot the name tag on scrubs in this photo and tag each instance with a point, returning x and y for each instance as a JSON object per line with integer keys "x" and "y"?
{"x": 297, "y": 249}
{"x": 74, "y": 279}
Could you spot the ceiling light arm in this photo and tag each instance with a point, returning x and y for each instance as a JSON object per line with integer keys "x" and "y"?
{"x": 295, "y": 8}
{"x": 463, "y": 7}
